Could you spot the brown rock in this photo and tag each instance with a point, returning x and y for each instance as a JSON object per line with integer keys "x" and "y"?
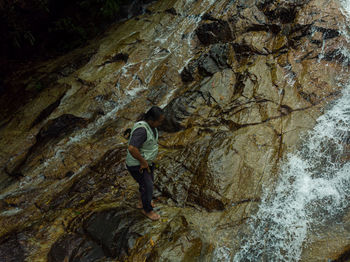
{"x": 239, "y": 82}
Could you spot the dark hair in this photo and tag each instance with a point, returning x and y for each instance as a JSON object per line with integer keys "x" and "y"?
{"x": 153, "y": 114}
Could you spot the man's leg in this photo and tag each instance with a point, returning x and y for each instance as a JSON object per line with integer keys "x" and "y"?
{"x": 147, "y": 197}
{"x": 145, "y": 181}
{"x": 135, "y": 173}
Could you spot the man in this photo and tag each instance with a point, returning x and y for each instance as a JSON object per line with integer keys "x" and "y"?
{"x": 142, "y": 150}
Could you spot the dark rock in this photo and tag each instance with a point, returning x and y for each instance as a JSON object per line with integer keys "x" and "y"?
{"x": 274, "y": 28}
{"x": 179, "y": 109}
{"x": 111, "y": 162}
{"x": 345, "y": 256}
{"x": 328, "y": 33}
{"x": 297, "y": 32}
{"x": 207, "y": 66}
{"x": 10, "y": 249}
{"x": 111, "y": 229}
{"x": 171, "y": 11}
{"x": 118, "y": 57}
{"x": 121, "y": 234}
{"x": 214, "y": 61}
{"x": 285, "y": 109}
{"x": 47, "y": 111}
{"x": 81, "y": 60}
{"x": 209, "y": 17}
{"x": 61, "y": 126}
{"x": 187, "y": 74}
{"x": 242, "y": 50}
{"x": 98, "y": 112}
{"x": 220, "y": 54}
{"x": 3, "y": 204}
{"x": 3, "y": 123}
{"x": 282, "y": 12}
{"x": 16, "y": 174}
{"x": 87, "y": 252}
{"x": 337, "y": 56}
{"x": 73, "y": 247}
{"x": 215, "y": 32}
{"x": 69, "y": 174}
{"x": 64, "y": 248}
{"x": 286, "y": 15}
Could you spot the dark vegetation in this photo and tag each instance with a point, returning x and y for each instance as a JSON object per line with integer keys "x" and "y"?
{"x": 40, "y": 29}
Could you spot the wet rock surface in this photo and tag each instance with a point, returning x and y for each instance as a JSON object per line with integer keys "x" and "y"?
{"x": 11, "y": 249}
{"x": 239, "y": 83}
{"x": 74, "y": 248}
{"x": 214, "y": 32}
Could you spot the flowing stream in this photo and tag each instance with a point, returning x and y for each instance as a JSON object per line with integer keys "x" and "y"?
{"x": 313, "y": 189}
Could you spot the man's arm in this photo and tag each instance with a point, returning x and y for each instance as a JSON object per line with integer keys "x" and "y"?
{"x": 138, "y": 137}
{"x": 135, "y": 152}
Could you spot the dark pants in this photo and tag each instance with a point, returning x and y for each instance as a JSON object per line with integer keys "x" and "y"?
{"x": 145, "y": 181}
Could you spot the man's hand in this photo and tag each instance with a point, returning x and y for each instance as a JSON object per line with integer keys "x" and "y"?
{"x": 135, "y": 152}
{"x": 144, "y": 165}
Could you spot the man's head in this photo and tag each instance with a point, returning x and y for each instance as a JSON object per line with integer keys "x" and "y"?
{"x": 154, "y": 116}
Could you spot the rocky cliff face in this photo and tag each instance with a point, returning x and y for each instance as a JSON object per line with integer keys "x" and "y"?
{"x": 240, "y": 81}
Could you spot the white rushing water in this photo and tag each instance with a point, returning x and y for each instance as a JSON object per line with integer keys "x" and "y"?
{"x": 313, "y": 188}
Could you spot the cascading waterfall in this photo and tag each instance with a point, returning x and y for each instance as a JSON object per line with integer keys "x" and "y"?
{"x": 314, "y": 188}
